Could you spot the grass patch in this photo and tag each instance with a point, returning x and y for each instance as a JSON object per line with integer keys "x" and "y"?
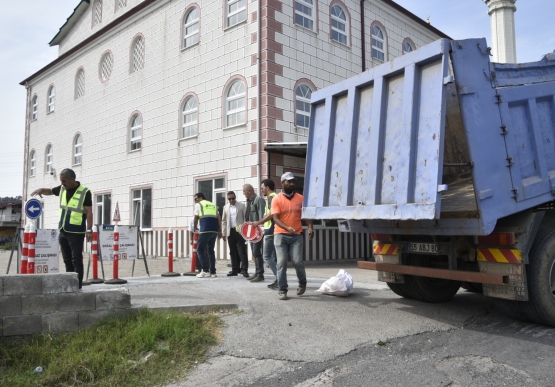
{"x": 145, "y": 349}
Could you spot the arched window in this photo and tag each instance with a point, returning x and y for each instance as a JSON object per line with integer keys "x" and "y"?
{"x": 106, "y": 65}
{"x": 120, "y": 4}
{"x": 80, "y": 84}
{"x": 51, "y": 99}
{"x": 32, "y": 163}
{"x": 77, "y": 149}
{"x": 408, "y": 45}
{"x": 189, "y": 118}
{"x": 191, "y": 28}
{"x": 35, "y": 108}
{"x": 97, "y": 12}
{"x": 236, "y": 104}
{"x": 378, "y": 43}
{"x": 302, "y": 106}
{"x": 135, "y": 132}
{"x": 137, "y": 54}
{"x": 236, "y": 12}
{"x": 304, "y": 13}
{"x": 49, "y": 154}
{"x": 338, "y": 24}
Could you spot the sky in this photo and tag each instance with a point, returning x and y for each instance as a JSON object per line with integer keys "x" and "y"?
{"x": 26, "y": 27}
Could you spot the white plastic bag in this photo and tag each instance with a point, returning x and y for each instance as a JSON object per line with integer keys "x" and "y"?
{"x": 339, "y": 285}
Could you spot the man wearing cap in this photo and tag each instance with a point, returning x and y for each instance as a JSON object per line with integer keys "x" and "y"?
{"x": 288, "y": 237}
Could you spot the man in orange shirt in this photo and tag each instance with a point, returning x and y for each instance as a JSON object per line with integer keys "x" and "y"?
{"x": 288, "y": 234}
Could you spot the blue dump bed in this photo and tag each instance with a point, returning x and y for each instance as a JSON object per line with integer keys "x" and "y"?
{"x": 439, "y": 141}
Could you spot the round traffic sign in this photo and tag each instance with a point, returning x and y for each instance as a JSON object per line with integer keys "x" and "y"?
{"x": 249, "y": 231}
{"x": 33, "y": 208}
{"x": 259, "y": 235}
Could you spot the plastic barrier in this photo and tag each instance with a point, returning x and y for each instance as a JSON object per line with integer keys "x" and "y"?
{"x": 170, "y": 272}
{"x": 31, "y": 238}
{"x": 115, "y": 272}
{"x": 25, "y": 250}
{"x": 94, "y": 248}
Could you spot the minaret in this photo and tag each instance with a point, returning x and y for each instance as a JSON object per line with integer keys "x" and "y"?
{"x": 503, "y": 36}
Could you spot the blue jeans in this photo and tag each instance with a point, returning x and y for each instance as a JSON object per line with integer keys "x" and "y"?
{"x": 205, "y": 251}
{"x": 287, "y": 245}
{"x": 270, "y": 254}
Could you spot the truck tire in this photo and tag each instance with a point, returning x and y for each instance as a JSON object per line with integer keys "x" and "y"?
{"x": 399, "y": 289}
{"x": 427, "y": 289}
{"x": 540, "y": 273}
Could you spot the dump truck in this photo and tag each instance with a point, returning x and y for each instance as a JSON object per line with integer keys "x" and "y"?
{"x": 448, "y": 160}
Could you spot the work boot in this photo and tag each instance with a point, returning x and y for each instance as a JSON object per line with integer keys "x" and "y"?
{"x": 273, "y": 285}
{"x": 258, "y": 278}
{"x": 252, "y": 277}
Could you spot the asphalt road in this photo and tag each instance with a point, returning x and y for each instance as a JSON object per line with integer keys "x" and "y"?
{"x": 317, "y": 340}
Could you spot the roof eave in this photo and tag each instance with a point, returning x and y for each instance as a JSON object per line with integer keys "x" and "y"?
{"x": 70, "y": 22}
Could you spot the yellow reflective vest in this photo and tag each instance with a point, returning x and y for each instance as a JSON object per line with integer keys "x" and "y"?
{"x": 73, "y": 217}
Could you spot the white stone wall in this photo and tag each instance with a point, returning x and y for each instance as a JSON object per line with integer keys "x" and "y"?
{"x": 102, "y": 115}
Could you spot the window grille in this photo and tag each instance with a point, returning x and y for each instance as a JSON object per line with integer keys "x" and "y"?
{"x": 32, "y": 163}
{"x": 106, "y": 65}
{"x": 135, "y": 132}
{"x": 236, "y": 12}
{"x": 378, "y": 40}
{"x": 304, "y": 13}
{"x": 51, "y": 99}
{"x": 338, "y": 25}
{"x": 35, "y": 108}
{"x": 97, "y": 17}
{"x": 190, "y": 28}
{"x": 138, "y": 54}
{"x": 120, "y": 4}
{"x": 48, "y": 159}
{"x": 189, "y": 118}
{"x": 302, "y": 115}
{"x": 77, "y": 150}
{"x": 80, "y": 84}
{"x": 236, "y": 114}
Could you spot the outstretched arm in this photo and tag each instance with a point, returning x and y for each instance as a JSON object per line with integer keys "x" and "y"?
{"x": 42, "y": 191}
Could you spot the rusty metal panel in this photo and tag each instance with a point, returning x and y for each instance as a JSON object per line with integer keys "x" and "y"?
{"x": 375, "y": 146}
{"x": 516, "y": 288}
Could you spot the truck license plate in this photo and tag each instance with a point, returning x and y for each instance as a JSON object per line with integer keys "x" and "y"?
{"x": 423, "y": 248}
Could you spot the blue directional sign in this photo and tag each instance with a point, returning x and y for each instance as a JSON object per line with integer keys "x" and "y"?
{"x": 33, "y": 208}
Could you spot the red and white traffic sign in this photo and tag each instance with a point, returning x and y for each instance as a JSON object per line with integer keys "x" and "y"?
{"x": 251, "y": 232}
{"x": 116, "y": 214}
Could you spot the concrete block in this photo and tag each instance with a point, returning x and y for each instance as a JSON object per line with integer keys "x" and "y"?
{"x": 10, "y": 306}
{"x": 22, "y": 325}
{"x": 60, "y": 283}
{"x": 39, "y": 304}
{"x": 113, "y": 299}
{"x": 93, "y": 317}
{"x": 77, "y": 302}
{"x": 60, "y": 322}
{"x": 19, "y": 285}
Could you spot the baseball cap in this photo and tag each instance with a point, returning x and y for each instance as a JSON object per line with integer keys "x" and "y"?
{"x": 287, "y": 176}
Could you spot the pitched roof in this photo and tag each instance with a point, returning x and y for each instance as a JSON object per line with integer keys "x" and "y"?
{"x": 12, "y": 203}
{"x": 412, "y": 16}
{"x": 70, "y": 22}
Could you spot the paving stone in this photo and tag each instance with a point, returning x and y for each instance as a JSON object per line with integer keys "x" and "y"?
{"x": 60, "y": 283}
{"x": 23, "y": 284}
{"x": 40, "y": 304}
{"x": 60, "y": 322}
{"x": 10, "y": 306}
{"x": 77, "y": 302}
{"x": 22, "y": 325}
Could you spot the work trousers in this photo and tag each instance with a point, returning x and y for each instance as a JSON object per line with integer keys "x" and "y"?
{"x": 71, "y": 245}
{"x": 205, "y": 251}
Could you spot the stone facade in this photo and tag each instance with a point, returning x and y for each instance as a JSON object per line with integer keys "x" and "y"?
{"x": 102, "y": 113}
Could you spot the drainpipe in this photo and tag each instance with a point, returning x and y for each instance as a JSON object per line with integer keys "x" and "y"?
{"x": 362, "y": 34}
{"x": 26, "y": 150}
{"x": 259, "y": 96}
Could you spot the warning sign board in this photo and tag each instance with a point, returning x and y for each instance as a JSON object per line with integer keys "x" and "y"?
{"x": 46, "y": 252}
{"x": 116, "y": 217}
{"x": 128, "y": 242}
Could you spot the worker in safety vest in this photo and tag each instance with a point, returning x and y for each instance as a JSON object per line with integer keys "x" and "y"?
{"x": 268, "y": 189}
{"x": 76, "y": 219}
{"x": 208, "y": 217}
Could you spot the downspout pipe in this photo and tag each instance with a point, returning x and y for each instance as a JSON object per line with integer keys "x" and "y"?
{"x": 258, "y": 96}
{"x": 26, "y": 149}
{"x": 362, "y": 35}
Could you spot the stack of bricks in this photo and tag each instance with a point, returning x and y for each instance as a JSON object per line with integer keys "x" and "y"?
{"x": 35, "y": 304}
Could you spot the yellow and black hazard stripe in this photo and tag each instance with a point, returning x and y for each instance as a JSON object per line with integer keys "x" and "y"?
{"x": 499, "y": 255}
{"x": 385, "y": 249}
